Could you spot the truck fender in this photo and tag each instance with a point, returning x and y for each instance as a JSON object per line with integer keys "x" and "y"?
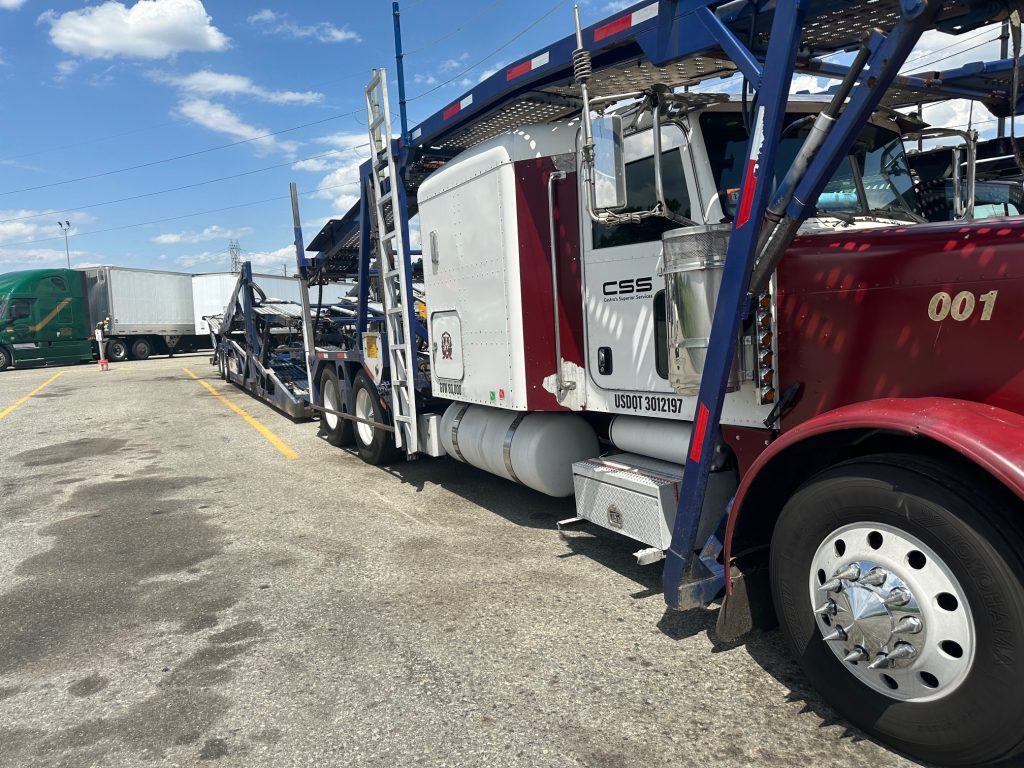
{"x": 988, "y": 437}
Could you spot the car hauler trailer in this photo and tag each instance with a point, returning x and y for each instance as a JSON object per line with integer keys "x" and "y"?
{"x": 728, "y": 329}
{"x": 259, "y": 343}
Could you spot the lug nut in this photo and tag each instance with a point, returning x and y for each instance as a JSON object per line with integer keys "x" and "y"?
{"x": 874, "y": 578}
{"x": 909, "y": 625}
{"x": 835, "y": 584}
{"x": 836, "y": 634}
{"x": 897, "y": 596}
{"x": 830, "y": 608}
{"x": 857, "y": 654}
{"x": 899, "y": 651}
{"x": 849, "y": 573}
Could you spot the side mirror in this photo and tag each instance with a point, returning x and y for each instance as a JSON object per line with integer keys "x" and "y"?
{"x": 609, "y": 179}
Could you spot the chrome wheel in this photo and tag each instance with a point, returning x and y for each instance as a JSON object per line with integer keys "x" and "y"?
{"x": 331, "y": 404}
{"x": 892, "y": 611}
{"x": 364, "y": 410}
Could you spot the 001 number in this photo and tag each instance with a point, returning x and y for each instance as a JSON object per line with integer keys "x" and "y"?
{"x": 961, "y": 306}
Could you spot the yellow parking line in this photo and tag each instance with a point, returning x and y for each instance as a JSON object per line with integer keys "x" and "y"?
{"x": 273, "y": 439}
{"x": 10, "y": 408}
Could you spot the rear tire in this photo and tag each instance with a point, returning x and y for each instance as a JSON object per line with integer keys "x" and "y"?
{"x": 943, "y": 534}
{"x": 222, "y": 365}
{"x": 375, "y": 446}
{"x": 117, "y": 351}
{"x": 141, "y": 349}
{"x": 338, "y": 431}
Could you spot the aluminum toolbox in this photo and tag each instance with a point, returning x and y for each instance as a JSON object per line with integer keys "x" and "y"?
{"x": 637, "y": 496}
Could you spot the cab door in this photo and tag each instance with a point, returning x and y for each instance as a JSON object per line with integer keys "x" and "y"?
{"x": 625, "y": 297}
{"x": 54, "y": 324}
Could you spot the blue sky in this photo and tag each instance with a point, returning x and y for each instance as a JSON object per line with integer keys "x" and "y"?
{"x": 90, "y": 89}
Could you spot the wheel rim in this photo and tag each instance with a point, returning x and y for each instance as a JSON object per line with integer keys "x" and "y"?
{"x": 331, "y": 402}
{"x": 364, "y": 410}
{"x": 892, "y": 612}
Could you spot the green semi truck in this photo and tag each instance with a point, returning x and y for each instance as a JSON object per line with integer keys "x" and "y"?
{"x": 49, "y": 316}
{"x": 43, "y": 318}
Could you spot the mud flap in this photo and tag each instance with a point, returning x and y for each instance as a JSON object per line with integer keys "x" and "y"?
{"x": 749, "y": 605}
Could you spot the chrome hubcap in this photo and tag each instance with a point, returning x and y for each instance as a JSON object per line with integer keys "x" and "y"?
{"x": 891, "y": 611}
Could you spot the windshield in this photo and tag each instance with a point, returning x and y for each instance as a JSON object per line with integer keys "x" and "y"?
{"x": 875, "y": 177}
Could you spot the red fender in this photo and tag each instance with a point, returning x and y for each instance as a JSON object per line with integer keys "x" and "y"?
{"x": 990, "y": 437}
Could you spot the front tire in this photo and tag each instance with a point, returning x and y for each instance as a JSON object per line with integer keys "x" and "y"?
{"x": 5, "y": 359}
{"x": 338, "y": 431}
{"x": 375, "y": 446}
{"x": 936, "y": 605}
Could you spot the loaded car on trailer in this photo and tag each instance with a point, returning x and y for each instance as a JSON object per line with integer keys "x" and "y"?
{"x": 729, "y": 329}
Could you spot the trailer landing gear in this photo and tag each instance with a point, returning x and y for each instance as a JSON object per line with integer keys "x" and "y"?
{"x": 898, "y": 584}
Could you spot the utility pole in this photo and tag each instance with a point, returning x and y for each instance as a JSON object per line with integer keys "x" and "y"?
{"x": 65, "y": 226}
{"x": 236, "y": 256}
{"x": 284, "y": 268}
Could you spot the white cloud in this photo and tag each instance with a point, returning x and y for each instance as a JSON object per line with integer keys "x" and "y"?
{"x": 450, "y": 65}
{"x": 65, "y": 69}
{"x": 214, "y": 232}
{"x": 19, "y": 224}
{"x": 11, "y": 5}
{"x": 279, "y": 24}
{"x": 150, "y": 29}
{"x": 12, "y": 259}
{"x": 341, "y": 184}
{"x": 207, "y": 83}
{"x": 219, "y": 118}
{"x": 617, "y": 5}
{"x": 276, "y": 259}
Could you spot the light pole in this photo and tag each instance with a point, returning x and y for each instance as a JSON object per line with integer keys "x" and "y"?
{"x": 65, "y": 226}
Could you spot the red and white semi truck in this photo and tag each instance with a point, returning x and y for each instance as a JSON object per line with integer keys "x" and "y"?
{"x": 602, "y": 248}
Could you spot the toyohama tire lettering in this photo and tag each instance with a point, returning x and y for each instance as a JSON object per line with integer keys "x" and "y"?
{"x": 961, "y": 306}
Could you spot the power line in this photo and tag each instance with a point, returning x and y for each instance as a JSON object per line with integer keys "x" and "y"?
{"x": 87, "y": 141}
{"x": 180, "y": 157}
{"x": 966, "y": 39}
{"x": 183, "y": 216}
{"x": 183, "y": 187}
{"x": 455, "y": 31}
{"x": 497, "y": 50}
{"x": 952, "y": 55}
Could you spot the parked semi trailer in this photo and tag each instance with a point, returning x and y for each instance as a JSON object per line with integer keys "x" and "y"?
{"x": 49, "y": 316}
{"x": 728, "y": 328}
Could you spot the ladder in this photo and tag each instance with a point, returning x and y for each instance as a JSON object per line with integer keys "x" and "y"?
{"x": 393, "y": 263}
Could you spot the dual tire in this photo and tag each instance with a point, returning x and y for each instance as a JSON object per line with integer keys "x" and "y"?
{"x": 373, "y": 444}
{"x": 117, "y": 350}
{"x": 952, "y": 540}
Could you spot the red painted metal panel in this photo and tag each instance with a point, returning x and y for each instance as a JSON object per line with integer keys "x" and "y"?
{"x": 535, "y": 276}
{"x": 452, "y": 110}
{"x": 992, "y": 438}
{"x": 854, "y": 321}
{"x": 698, "y": 432}
{"x": 747, "y": 443}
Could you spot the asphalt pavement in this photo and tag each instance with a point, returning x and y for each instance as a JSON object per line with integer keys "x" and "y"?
{"x": 176, "y": 590}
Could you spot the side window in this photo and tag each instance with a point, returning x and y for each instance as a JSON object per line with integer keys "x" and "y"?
{"x": 660, "y": 335}
{"x": 59, "y": 284}
{"x": 640, "y": 194}
{"x": 21, "y": 308}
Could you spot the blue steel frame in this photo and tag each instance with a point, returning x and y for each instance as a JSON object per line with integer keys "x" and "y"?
{"x": 690, "y": 580}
